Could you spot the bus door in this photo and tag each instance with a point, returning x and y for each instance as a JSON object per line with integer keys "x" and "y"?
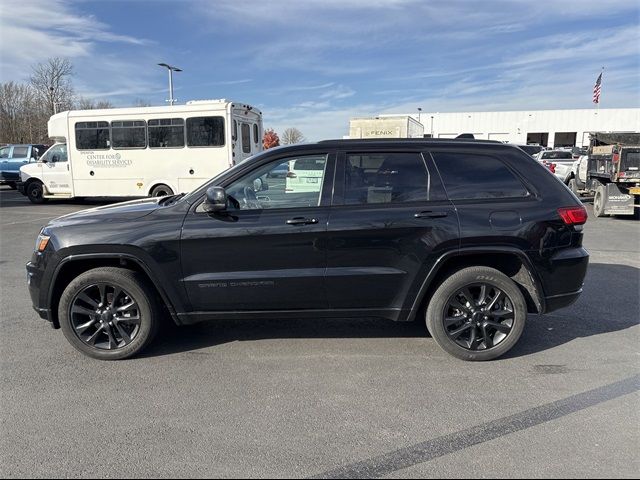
{"x": 56, "y": 174}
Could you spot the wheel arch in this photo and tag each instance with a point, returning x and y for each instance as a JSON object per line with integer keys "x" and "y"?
{"x": 512, "y": 262}
{"x": 72, "y": 266}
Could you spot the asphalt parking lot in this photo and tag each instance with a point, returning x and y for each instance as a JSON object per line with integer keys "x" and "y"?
{"x": 343, "y": 398}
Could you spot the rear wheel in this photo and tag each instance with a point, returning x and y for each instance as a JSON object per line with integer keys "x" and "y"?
{"x": 35, "y": 192}
{"x": 477, "y": 314}
{"x": 598, "y": 202}
{"x": 109, "y": 313}
{"x": 161, "y": 190}
{"x": 573, "y": 186}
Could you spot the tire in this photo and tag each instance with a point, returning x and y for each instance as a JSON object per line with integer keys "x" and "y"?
{"x": 161, "y": 190}
{"x": 573, "y": 186}
{"x": 598, "y": 202}
{"x": 100, "y": 335}
{"x": 35, "y": 192}
{"x": 474, "y": 323}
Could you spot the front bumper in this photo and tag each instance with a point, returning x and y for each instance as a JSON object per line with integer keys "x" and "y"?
{"x": 35, "y": 275}
{"x": 21, "y": 187}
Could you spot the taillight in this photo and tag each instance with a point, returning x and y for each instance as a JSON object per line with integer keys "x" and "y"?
{"x": 573, "y": 215}
{"x": 552, "y": 167}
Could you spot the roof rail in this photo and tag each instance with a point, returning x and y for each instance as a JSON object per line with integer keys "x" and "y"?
{"x": 409, "y": 140}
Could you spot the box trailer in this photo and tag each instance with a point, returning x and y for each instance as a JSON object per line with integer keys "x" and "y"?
{"x": 386, "y": 127}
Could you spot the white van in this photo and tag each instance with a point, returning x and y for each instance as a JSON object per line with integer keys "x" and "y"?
{"x": 142, "y": 151}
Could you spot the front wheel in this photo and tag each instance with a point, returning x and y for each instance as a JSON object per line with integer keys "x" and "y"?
{"x": 477, "y": 314}
{"x": 109, "y": 313}
{"x": 35, "y": 192}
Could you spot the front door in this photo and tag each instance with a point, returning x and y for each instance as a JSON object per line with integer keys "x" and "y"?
{"x": 267, "y": 252}
{"x": 389, "y": 223}
{"x": 56, "y": 176}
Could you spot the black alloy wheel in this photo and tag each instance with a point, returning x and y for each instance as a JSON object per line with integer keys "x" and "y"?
{"x": 478, "y": 317}
{"x": 105, "y": 316}
{"x": 477, "y": 314}
{"x": 109, "y": 313}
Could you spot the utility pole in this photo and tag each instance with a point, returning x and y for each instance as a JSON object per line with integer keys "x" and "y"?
{"x": 171, "y": 70}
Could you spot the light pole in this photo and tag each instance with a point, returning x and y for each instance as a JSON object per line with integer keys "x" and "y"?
{"x": 431, "y": 126}
{"x": 419, "y": 112}
{"x": 171, "y": 70}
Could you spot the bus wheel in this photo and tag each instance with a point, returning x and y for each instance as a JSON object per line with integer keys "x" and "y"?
{"x": 161, "y": 191}
{"x": 35, "y": 192}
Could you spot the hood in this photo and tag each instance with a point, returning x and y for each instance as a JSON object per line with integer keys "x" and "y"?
{"x": 130, "y": 210}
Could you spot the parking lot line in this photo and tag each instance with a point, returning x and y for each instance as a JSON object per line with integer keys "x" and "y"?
{"x": 423, "y": 452}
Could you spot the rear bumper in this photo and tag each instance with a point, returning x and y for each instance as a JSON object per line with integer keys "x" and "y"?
{"x": 563, "y": 277}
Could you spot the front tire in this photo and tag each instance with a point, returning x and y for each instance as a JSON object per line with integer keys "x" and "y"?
{"x": 35, "y": 192}
{"x": 477, "y": 314}
{"x": 109, "y": 313}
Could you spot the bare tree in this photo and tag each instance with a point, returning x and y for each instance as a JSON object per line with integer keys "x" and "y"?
{"x": 51, "y": 82}
{"x": 83, "y": 103}
{"x": 292, "y": 135}
{"x": 141, "y": 103}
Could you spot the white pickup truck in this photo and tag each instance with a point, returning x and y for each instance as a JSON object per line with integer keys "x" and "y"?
{"x": 560, "y": 162}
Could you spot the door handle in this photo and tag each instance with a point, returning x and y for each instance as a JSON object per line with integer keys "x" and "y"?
{"x": 428, "y": 214}
{"x": 301, "y": 221}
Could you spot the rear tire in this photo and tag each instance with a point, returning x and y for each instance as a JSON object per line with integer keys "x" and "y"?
{"x": 598, "y": 202}
{"x": 35, "y": 192}
{"x": 109, "y": 313}
{"x": 161, "y": 190}
{"x": 477, "y": 314}
{"x": 573, "y": 186}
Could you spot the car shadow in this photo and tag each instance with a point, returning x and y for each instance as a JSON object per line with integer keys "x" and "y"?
{"x": 591, "y": 315}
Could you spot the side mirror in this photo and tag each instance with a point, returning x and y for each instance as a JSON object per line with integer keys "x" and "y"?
{"x": 55, "y": 158}
{"x": 215, "y": 200}
{"x": 260, "y": 185}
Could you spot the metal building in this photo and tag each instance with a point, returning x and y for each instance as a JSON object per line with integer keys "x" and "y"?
{"x": 551, "y": 128}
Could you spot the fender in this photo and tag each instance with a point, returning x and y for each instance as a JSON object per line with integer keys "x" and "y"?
{"x": 115, "y": 256}
{"x": 538, "y": 295}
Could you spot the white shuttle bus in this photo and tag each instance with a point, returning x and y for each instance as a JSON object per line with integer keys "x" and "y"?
{"x": 142, "y": 151}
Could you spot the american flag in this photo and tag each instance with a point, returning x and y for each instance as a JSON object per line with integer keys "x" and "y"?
{"x": 596, "y": 89}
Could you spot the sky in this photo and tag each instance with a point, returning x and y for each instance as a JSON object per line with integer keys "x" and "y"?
{"x": 313, "y": 65}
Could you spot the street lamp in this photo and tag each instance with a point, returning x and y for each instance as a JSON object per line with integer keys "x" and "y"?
{"x": 171, "y": 70}
{"x": 419, "y": 112}
{"x": 431, "y": 126}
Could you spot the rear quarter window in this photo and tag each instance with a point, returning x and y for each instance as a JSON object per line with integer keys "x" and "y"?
{"x": 469, "y": 176}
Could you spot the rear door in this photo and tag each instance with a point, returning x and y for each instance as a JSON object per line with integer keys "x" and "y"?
{"x": 389, "y": 223}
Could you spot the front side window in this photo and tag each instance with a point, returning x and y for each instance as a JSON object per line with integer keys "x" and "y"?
{"x": 385, "y": 178}
{"x": 475, "y": 176}
{"x": 166, "y": 133}
{"x": 288, "y": 183}
{"x": 92, "y": 136}
{"x": 205, "y": 132}
{"x": 128, "y": 134}
{"x": 246, "y": 138}
{"x": 57, "y": 153}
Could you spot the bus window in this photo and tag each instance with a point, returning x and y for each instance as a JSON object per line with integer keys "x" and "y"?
{"x": 92, "y": 136}
{"x": 235, "y": 130}
{"x": 255, "y": 133}
{"x": 166, "y": 133}
{"x": 246, "y": 138}
{"x": 205, "y": 132}
{"x": 128, "y": 134}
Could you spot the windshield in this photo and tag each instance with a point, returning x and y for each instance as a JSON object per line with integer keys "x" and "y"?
{"x": 531, "y": 149}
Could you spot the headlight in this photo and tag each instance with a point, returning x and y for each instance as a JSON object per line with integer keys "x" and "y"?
{"x": 41, "y": 242}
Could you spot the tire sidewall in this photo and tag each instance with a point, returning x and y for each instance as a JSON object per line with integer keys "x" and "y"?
{"x": 462, "y": 278}
{"x": 131, "y": 283}
{"x": 598, "y": 201}
{"x": 35, "y": 198}
{"x": 160, "y": 188}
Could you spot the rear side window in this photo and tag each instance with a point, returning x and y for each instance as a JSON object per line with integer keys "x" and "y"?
{"x": 19, "y": 152}
{"x": 246, "y": 138}
{"x": 92, "y": 136}
{"x": 205, "y": 131}
{"x": 128, "y": 134}
{"x": 385, "y": 178}
{"x": 477, "y": 176}
{"x": 255, "y": 133}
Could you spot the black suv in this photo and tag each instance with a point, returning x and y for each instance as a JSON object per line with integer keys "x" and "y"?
{"x": 469, "y": 235}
